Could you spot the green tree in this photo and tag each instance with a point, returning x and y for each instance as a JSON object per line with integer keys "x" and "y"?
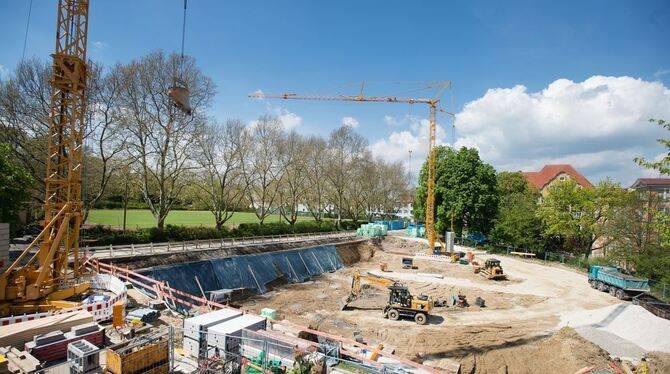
{"x": 663, "y": 165}
{"x": 577, "y": 216}
{"x": 517, "y": 223}
{"x": 15, "y": 187}
{"x": 466, "y": 192}
{"x": 631, "y": 231}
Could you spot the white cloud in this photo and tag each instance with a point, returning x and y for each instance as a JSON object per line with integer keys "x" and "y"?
{"x": 288, "y": 119}
{"x": 661, "y": 72}
{"x": 99, "y": 45}
{"x": 598, "y": 125}
{"x": 396, "y": 146}
{"x": 391, "y": 121}
{"x": 4, "y": 72}
{"x": 350, "y": 122}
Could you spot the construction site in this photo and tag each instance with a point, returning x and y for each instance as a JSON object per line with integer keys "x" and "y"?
{"x": 388, "y": 296}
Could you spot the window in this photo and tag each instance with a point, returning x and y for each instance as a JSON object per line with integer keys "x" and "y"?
{"x": 561, "y": 178}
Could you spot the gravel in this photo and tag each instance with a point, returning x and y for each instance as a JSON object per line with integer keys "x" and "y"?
{"x": 632, "y": 323}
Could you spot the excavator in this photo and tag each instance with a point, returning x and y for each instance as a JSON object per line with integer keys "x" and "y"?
{"x": 41, "y": 280}
{"x": 401, "y": 302}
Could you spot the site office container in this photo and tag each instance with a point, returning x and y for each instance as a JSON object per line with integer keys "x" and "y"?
{"x": 196, "y": 328}
{"x": 226, "y": 336}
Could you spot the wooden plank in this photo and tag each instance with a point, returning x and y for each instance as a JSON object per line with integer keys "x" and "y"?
{"x": 18, "y": 334}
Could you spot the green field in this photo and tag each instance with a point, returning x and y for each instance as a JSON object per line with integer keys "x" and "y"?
{"x": 143, "y": 218}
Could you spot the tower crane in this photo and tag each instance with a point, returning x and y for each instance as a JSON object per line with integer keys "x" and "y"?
{"x": 45, "y": 279}
{"x": 433, "y": 105}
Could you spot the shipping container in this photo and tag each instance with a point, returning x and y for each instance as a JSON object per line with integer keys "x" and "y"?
{"x": 225, "y": 337}
{"x": 195, "y": 329}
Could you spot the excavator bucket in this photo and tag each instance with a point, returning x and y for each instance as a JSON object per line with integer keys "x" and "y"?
{"x": 179, "y": 94}
{"x": 344, "y": 302}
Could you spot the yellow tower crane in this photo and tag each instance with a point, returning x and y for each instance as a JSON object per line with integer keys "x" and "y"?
{"x": 433, "y": 105}
{"x": 45, "y": 278}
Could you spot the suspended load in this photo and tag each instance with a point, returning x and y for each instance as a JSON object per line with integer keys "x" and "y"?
{"x": 179, "y": 94}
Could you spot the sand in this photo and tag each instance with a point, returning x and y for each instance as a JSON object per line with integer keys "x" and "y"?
{"x": 513, "y": 332}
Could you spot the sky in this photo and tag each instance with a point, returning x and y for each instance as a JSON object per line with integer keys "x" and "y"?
{"x": 533, "y": 82}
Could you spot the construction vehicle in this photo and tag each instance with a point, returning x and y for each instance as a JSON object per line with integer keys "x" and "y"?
{"x": 492, "y": 269}
{"x": 433, "y": 104}
{"x": 613, "y": 280}
{"x": 401, "y": 302}
{"x": 45, "y": 280}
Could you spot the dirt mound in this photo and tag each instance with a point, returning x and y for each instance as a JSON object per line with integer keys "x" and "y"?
{"x": 353, "y": 253}
{"x": 564, "y": 352}
{"x": 659, "y": 362}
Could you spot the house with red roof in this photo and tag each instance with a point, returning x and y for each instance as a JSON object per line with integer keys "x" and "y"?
{"x": 551, "y": 174}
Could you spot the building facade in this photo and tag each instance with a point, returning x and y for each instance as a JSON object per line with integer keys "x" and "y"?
{"x": 658, "y": 187}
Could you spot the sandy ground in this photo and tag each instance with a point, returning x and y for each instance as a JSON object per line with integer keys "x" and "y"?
{"x": 520, "y": 316}
{"x": 516, "y": 332}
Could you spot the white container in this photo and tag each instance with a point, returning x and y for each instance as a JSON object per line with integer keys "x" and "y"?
{"x": 225, "y": 337}
{"x": 195, "y": 328}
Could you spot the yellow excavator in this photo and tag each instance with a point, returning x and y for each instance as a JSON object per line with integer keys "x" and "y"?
{"x": 401, "y": 302}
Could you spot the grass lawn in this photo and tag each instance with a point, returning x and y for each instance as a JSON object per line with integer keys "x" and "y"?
{"x": 143, "y": 218}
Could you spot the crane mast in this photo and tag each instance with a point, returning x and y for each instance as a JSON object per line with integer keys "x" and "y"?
{"x": 44, "y": 278}
{"x": 432, "y": 103}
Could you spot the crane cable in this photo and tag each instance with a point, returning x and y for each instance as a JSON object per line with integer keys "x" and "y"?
{"x": 25, "y": 38}
{"x": 183, "y": 37}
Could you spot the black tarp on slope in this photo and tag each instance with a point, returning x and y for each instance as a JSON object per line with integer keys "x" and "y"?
{"x": 252, "y": 272}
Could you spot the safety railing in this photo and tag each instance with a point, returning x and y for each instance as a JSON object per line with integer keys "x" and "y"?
{"x": 111, "y": 250}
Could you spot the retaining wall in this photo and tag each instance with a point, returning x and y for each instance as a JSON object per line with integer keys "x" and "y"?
{"x": 252, "y": 272}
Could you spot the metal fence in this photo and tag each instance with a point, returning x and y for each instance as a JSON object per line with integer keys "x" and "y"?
{"x": 112, "y": 251}
{"x": 658, "y": 289}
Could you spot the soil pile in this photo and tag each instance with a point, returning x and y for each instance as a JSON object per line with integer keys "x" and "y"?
{"x": 564, "y": 352}
{"x": 353, "y": 253}
{"x": 659, "y": 362}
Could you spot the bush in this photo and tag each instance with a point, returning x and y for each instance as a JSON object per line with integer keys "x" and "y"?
{"x": 100, "y": 235}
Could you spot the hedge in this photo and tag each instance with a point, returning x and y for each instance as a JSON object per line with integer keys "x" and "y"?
{"x": 100, "y": 235}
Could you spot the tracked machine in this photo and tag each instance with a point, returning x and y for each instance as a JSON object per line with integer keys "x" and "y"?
{"x": 492, "y": 270}
{"x": 401, "y": 302}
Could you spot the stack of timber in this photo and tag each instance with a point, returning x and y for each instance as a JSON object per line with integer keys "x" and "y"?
{"x": 18, "y": 334}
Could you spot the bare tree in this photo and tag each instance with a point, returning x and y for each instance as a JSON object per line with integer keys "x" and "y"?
{"x": 223, "y": 149}
{"x": 293, "y": 155}
{"x": 24, "y": 116}
{"x": 392, "y": 188}
{"x": 161, "y": 138}
{"x": 315, "y": 170}
{"x": 24, "y": 123}
{"x": 344, "y": 148}
{"x": 262, "y": 169}
{"x": 104, "y": 133}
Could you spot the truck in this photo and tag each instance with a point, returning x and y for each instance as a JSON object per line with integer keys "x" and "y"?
{"x": 617, "y": 283}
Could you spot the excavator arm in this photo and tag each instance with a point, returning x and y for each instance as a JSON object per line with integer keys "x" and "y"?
{"x": 356, "y": 286}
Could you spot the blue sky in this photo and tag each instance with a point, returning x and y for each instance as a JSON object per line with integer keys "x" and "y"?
{"x": 320, "y": 47}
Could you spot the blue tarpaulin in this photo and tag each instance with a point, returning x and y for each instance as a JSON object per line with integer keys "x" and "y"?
{"x": 249, "y": 271}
